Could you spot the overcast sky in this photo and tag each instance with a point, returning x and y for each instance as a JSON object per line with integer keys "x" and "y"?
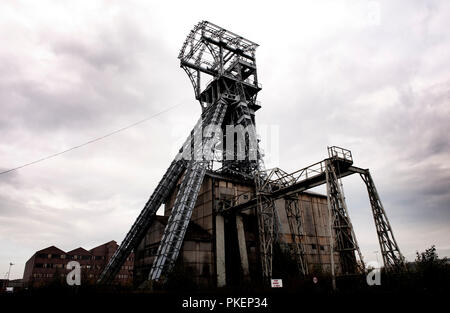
{"x": 369, "y": 76}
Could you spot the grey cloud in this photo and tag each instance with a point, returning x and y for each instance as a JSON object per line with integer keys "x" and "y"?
{"x": 382, "y": 91}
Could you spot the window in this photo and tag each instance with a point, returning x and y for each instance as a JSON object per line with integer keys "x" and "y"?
{"x": 313, "y": 246}
{"x": 39, "y": 265}
{"x": 322, "y": 248}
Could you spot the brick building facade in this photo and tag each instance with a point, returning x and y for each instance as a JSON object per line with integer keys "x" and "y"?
{"x": 49, "y": 265}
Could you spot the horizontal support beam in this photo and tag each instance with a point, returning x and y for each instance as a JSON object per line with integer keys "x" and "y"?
{"x": 227, "y": 47}
{"x": 199, "y": 68}
{"x": 300, "y": 186}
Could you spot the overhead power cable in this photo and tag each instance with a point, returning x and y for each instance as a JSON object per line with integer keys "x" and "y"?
{"x": 90, "y": 141}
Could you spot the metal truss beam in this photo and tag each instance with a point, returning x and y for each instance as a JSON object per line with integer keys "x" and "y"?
{"x": 295, "y": 219}
{"x": 158, "y": 197}
{"x": 300, "y": 181}
{"x": 185, "y": 200}
{"x": 143, "y": 222}
{"x": 275, "y": 184}
{"x": 392, "y": 257}
{"x": 266, "y": 216}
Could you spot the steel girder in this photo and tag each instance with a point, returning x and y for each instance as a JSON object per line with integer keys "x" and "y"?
{"x": 160, "y": 194}
{"x": 342, "y": 236}
{"x": 392, "y": 257}
{"x": 185, "y": 200}
{"x": 295, "y": 219}
{"x": 265, "y": 212}
{"x": 143, "y": 222}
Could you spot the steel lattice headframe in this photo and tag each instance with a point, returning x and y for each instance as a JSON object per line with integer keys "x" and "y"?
{"x": 229, "y": 98}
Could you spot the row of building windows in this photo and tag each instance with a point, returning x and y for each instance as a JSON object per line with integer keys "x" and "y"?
{"x": 51, "y": 275}
{"x": 51, "y": 256}
{"x": 51, "y": 265}
{"x": 70, "y": 256}
{"x": 314, "y": 247}
{"x": 43, "y": 275}
{"x": 60, "y": 265}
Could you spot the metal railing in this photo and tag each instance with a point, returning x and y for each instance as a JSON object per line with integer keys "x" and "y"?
{"x": 340, "y": 153}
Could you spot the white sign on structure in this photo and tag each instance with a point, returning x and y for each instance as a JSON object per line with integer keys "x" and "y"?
{"x": 276, "y": 283}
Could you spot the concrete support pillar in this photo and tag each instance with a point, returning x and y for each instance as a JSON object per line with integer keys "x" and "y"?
{"x": 220, "y": 251}
{"x": 242, "y": 245}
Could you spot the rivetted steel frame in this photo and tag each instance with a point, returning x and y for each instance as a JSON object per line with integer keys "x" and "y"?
{"x": 288, "y": 184}
{"x": 295, "y": 221}
{"x": 342, "y": 234}
{"x": 160, "y": 194}
{"x": 392, "y": 258}
{"x": 266, "y": 182}
{"x": 232, "y": 64}
{"x": 229, "y": 98}
{"x": 212, "y": 50}
{"x": 185, "y": 200}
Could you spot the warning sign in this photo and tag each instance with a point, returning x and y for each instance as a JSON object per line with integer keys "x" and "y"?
{"x": 277, "y": 283}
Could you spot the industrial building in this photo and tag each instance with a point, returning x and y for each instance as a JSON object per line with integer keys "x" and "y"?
{"x": 48, "y": 265}
{"x": 220, "y": 250}
{"x": 227, "y": 215}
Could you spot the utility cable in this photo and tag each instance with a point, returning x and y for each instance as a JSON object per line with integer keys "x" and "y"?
{"x": 90, "y": 141}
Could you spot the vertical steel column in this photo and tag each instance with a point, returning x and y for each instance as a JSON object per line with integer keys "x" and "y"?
{"x": 346, "y": 243}
{"x": 330, "y": 227}
{"x": 294, "y": 217}
{"x": 265, "y": 215}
